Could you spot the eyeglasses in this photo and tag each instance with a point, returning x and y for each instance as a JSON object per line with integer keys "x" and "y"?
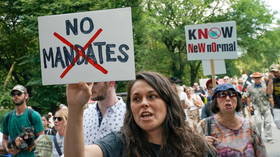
{"x": 16, "y": 93}
{"x": 231, "y": 94}
{"x": 57, "y": 118}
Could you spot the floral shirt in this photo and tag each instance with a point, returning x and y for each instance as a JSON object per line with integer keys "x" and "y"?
{"x": 243, "y": 142}
{"x": 111, "y": 121}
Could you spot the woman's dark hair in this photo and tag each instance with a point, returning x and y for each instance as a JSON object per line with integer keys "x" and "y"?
{"x": 215, "y": 109}
{"x": 179, "y": 139}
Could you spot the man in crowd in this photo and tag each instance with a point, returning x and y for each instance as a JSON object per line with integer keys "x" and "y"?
{"x": 180, "y": 90}
{"x": 274, "y": 91}
{"x": 198, "y": 90}
{"x": 226, "y": 79}
{"x": 105, "y": 113}
{"x": 21, "y": 126}
{"x": 258, "y": 100}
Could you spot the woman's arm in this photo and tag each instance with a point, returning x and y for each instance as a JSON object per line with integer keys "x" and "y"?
{"x": 77, "y": 96}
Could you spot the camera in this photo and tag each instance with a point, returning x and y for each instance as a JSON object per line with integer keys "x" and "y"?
{"x": 28, "y": 137}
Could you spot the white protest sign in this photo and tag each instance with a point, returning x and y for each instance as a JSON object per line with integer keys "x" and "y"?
{"x": 44, "y": 146}
{"x": 219, "y": 65}
{"x": 99, "y": 42}
{"x": 211, "y": 41}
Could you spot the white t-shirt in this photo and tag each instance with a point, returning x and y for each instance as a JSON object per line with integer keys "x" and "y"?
{"x": 1, "y": 138}
{"x": 190, "y": 102}
{"x": 182, "y": 95}
{"x": 60, "y": 142}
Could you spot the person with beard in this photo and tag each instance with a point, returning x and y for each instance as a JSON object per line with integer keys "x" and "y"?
{"x": 105, "y": 112}
{"x": 273, "y": 91}
{"x": 18, "y": 119}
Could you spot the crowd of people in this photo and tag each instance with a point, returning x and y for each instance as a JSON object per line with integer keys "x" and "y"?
{"x": 161, "y": 117}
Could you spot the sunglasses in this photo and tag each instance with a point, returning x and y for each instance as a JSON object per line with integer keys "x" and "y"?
{"x": 231, "y": 94}
{"x": 57, "y": 118}
{"x": 16, "y": 93}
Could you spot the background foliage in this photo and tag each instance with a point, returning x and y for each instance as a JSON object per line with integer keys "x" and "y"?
{"x": 159, "y": 40}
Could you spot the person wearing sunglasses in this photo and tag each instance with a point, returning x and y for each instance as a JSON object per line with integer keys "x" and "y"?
{"x": 18, "y": 120}
{"x": 258, "y": 100}
{"x": 226, "y": 130}
{"x": 60, "y": 122}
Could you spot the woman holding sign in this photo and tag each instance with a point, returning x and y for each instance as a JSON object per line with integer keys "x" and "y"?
{"x": 154, "y": 123}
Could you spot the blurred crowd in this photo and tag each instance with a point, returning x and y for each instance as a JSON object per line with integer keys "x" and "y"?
{"x": 231, "y": 116}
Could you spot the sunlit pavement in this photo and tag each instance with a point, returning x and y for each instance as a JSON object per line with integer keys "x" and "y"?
{"x": 273, "y": 149}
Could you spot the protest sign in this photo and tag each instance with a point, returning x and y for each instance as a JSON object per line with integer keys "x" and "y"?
{"x": 44, "y": 146}
{"x": 88, "y": 46}
{"x": 211, "y": 41}
{"x": 219, "y": 65}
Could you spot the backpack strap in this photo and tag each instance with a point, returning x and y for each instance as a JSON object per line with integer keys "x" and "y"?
{"x": 30, "y": 116}
{"x": 212, "y": 151}
{"x": 56, "y": 146}
{"x": 8, "y": 118}
{"x": 208, "y": 125}
{"x": 11, "y": 113}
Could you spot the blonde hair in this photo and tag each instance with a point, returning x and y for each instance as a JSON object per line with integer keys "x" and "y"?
{"x": 63, "y": 112}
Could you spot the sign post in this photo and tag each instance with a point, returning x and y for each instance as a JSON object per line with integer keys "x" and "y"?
{"x": 213, "y": 73}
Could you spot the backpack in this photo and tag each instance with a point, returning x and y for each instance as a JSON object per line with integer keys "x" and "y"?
{"x": 11, "y": 113}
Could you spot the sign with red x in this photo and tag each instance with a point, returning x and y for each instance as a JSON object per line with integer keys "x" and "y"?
{"x": 93, "y": 46}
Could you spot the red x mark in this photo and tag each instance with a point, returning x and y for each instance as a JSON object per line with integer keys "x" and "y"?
{"x": 80, "y": 53}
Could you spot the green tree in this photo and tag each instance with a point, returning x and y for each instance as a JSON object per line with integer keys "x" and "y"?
{"x": 170, "y": 17}
{"x": 19, "y": 45}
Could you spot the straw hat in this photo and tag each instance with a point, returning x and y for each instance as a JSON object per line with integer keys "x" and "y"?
{"x": 256, "y": 75}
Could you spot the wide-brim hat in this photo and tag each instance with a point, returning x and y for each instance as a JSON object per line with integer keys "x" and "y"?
{"x": 225, "y": 87}
{"x": 274, "y": 67}
{"x": 20, "y": 88}
{"x": 256, "y": 75}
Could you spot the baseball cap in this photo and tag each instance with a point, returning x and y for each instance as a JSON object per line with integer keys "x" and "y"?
{"x": 20, "y": 88}
{"x": 225, "y": 87}
{"x": 274, "y": 67}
